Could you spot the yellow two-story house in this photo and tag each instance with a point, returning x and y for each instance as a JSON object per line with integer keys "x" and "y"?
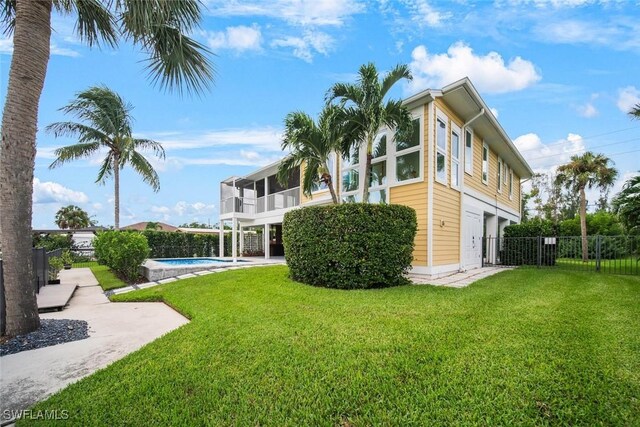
{"x": 460, "y": 172}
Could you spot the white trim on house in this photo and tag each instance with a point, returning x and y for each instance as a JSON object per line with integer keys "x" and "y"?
{"x": 456, "y": 175}
{"x": 435, "y": 271}
{"x": 487, "y": 204}
{"x": 430, "y": 141}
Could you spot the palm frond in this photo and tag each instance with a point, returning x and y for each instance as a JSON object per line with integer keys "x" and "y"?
{"x": 74, "y": 152}
{"x": 95, "y": 23}
{"x": 141, "y": 165}
{"x": 106, "y": 168}
{"x": 635, "y": 112}
{"x": 71, "y": 129}
{"x": 8, "y": 16}
{"x": 399, "y": 72}
{"x": 310, "y": 177}
{"x": 149, "y": 144}
{"x": 287, "y": 166}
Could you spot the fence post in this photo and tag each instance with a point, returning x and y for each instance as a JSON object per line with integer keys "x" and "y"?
{"x": 598, "y": 251}
{"x": 539, "y": 251}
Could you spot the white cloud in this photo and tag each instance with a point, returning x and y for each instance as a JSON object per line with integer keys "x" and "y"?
{"x": 295, "y": 12}
{"x": 6, "y": 47}
{"x": 183, "y": 209}
{"x": 423, "y": 14}
{"x": 263, "y": 138}
{"x": 489, "y": 73}
{"x": 620, "y": 33}
{"x": 305, "y": 46}
{"x": 544, "y": 158}
{"x": 587, "y": 110}
{"x": 239, "y": 39}
{"x": 52, "y": 192}
{"x": 628, "y": 98}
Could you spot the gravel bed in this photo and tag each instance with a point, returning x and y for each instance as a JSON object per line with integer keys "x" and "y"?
{"x": 51, "y": 332}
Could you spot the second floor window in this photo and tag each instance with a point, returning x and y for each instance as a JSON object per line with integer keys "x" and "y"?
{"x": 441, "y": 151}
{"x": 510, "y": 184}
{"x": 408, "y": 154}
{"x": 350, "y": 172}
{"x": 468, "y": 151}
{"x": 455, "y": 157}
{"x": 499, "y": 175}
{"x": 485, "y": 163}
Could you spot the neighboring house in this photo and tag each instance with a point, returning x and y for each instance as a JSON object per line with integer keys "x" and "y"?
{"x": 461, "y": 173}
{"x": 81, "y": 238}
{"x": 198, "y": 230}
{"x": 141, "y": 226}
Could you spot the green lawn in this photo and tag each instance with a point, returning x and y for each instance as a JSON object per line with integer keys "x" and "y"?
{"x": 629, "y": 265}
{"x": 524, "y": 347}
{"x": 104, "y": 275}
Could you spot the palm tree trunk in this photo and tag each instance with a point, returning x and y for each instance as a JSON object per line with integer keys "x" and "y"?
{"x": 367, "y": 170}
{"x": 116, "y": 197}
{"x": 583, "y": 225}
{"x": 31, "y": 40}
{"x": 332, "y": 190}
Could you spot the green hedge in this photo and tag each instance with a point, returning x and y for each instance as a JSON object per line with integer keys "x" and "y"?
{"x": 521, "y": 244}
{"x": 165, "y": 244}
{"x": 350, "y": 246}
{"x": 122, "y": 251}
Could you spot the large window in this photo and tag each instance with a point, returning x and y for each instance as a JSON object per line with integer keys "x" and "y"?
{"x": 350, "y": 175}
{"x": 485, "y": 164}
{"x": 441, "y": 151}
{"x": 408, "y": 154}
{"x": 320, "y": 186}
{"x": 378, "y": 177}
{"x": 468, "y": 151}
{"x": 455, "y": 157}
{"x": 500, "y": 163}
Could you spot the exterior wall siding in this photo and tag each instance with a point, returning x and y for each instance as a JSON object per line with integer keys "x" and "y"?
{"x": 446, "y": 203}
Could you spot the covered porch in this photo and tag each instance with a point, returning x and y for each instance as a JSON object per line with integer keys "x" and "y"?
{"x": 252, "y": 240}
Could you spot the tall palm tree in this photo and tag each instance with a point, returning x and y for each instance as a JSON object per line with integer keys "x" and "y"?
{"x": 311, "y": 144}
{"x": 366, "y": 111}
{"x": 626, "y": 204}
{"x": 72, "y": 217}
{"x": 107, "y": 126}
{"x": 175, "y": 61}
{"x": 582, "y": 172}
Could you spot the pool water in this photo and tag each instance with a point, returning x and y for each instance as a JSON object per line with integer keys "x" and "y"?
{"x": 191, "y": 261}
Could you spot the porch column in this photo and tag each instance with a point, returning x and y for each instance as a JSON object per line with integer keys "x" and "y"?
{"x": 491, "y": 224}
{"x": 267, "y": 242}
{"x": 234, "y": 239}
{"x": 241, "y": 240}
{"x": 221, "y": 239}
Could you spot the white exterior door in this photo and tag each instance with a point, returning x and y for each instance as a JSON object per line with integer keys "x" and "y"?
{"x": 472, "y": 240}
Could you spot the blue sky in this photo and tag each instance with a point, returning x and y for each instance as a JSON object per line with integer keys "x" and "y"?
{"x": 559, "y": 74}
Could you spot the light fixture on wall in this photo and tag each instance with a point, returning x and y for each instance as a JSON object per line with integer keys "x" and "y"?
{"x": 442, "y": 223}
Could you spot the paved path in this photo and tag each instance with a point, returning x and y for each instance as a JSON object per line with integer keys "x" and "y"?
{"x": 115, "y": 329}
{"x": 457, "y": 280}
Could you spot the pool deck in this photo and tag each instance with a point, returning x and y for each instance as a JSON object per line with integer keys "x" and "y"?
{"x": 163, "y": 273}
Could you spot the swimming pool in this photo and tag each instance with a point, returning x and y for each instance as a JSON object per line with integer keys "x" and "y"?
{"x": 191, "y": 261}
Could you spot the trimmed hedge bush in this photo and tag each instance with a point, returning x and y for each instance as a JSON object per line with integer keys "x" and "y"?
{"x": 165, "y": 244}
{"x": 521, "y": 243}
{"x": 350, "y": 246}
{"x": 122, "y": 251}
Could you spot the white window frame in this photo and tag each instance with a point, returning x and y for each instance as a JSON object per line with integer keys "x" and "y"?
{"x": 418, "y": 148}
{"x": 468, "y": 170}
{"x": 455, "y": 160}
{"x": 500, "y": 163}
{"x": 345, "y": 169}
{"x": 485, "y": 176}
{"x": 510, "y": 184}
{"x": 441, "y": 117}
{"x": 333, "y": 158}
{"x": 505, "y": 169}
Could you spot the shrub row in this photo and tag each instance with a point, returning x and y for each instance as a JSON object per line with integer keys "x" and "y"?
{"x": 178, "y": 245}
{"x": 350, "y": 246}
{"x": 122, "y": 251}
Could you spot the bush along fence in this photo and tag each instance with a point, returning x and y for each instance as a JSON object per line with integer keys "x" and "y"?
{"x": 605, "y": 254}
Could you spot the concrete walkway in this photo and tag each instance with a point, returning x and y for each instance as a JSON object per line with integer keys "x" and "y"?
{"x": 115, "y": 329}
{"x": 457, "y": 280}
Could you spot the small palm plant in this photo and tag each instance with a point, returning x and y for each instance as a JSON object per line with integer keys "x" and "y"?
{"x": 106, "y": 124}
{"x": 312, "y": 145}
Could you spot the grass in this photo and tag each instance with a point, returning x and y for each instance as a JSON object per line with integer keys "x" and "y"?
{"x": 629, "y": 265}
{"x": 524, "y": 347}
{"x": 106, "y": 278}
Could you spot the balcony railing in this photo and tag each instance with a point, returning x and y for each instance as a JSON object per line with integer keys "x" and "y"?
{"x": 271, "y": 202}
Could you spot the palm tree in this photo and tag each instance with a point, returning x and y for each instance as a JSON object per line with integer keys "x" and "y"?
{"x": 626, "y": 204}
{"x": 311, "y": 144}
{"x": 72, "y": 217}
{"x": 108, "y": 126}
{"x": 635, "y": 112}
{"x": 175, "y": 61}
{"x": 586, "y": 171}
{"x": 366, "y": 111}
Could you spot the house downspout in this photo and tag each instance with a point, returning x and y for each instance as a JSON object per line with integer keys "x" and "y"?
{"x": 464, "y": 162}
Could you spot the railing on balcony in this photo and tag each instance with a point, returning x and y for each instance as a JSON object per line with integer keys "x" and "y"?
{"x": 248, "y": 205}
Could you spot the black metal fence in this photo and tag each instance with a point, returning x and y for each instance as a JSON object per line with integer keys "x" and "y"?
{"x": 604, "y": 254}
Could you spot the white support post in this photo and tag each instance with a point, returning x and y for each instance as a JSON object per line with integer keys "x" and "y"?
{"x": 234, "y": 239}
{"x": 267, "y": 242}
{"x": 221, "y": 240}
{"x": 241, "y": 240}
